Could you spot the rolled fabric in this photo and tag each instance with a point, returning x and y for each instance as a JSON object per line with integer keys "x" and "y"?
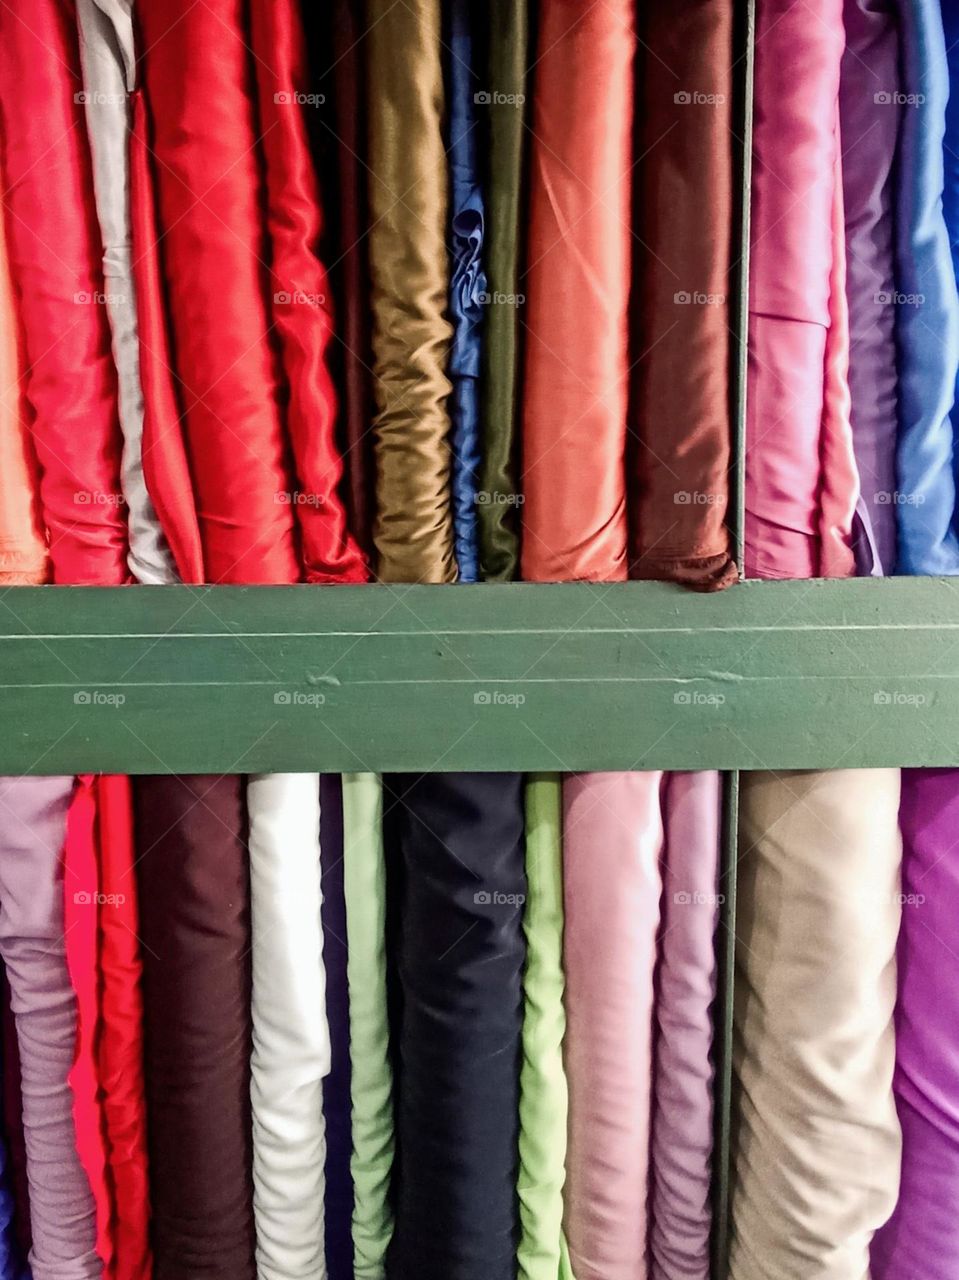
{"x": 468, "y": 286}
{"x": 542, "y": 1253}
{"x": 500, "y": 381}
{"x": 682, "y": 1119}
{"x": 817, "y": 1138}
{"x": 410, "y": 278}
{"x": 456, "y": 841}
{"x": 612, "y": 843}
{"x": 55, "y": 264}
{"x": 193, "y": 881}
{"x": 13, "y": 1125}
{"x": 577, "y": 286}
{"x": 33, "y": 836}
{"x": 12, "y": 1265}
{"x": 364, "y": 885}
{"x": 291, "y": 1039}
{"x": 678, "y": 467}
{"x": 196, "y": 72}
{"x": 869, "y": 90}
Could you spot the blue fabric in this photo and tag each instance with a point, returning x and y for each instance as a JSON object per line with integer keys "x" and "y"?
{"x": 950, "y": 195}
{"x": 927, "y": 312}
{"x": 467, "y": 286}
{"x": 13, "y": 1265}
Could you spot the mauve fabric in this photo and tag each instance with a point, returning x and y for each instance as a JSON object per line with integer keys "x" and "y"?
{"x": 194, "y": 887}
{"x": 681, "y": 1145}
{"x": 33, "y": 836}
{"x": 577, "y": 287}
{"x": 55, "y": 263}
{"x": 456, "y": 845}
{"x": 870, "y": 119}
{"x": 612, "y": 844}
{"x": 680, "y": 431}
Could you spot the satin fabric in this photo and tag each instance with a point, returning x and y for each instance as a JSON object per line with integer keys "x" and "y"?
{"x": 500, "y": 378}
{"x": 410, "y": 289}
{"x": 468, "y": 284}
{"x": 870, "y": 120}
{"x": 612, "y": 844}
{"x": 455, "y": 842}
{"x": 12, "y": 1265}
{"x": 364, "y": 884}
{"x": 680, "y": 427}
{"x": 577, "y": 286}
{"x": 13, "y": 1124}
{"x": 291, "y": 1039}
{"x": 543, "y": 1099}
{"x": 817, "y": 1139}
{"x": 193, "y": 881}
{"x": 681, "y": 1144}
{"x": 33, "y": 837}
{"x": 54, "y": 253}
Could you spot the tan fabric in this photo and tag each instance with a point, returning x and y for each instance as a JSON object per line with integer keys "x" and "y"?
{"x": 816, "y": 1137}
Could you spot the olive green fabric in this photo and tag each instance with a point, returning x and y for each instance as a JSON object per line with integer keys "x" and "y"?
{"x": 499, "y": 388}
{"x": 364, "y": 883}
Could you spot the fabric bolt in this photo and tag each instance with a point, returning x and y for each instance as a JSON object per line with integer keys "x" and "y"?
{"x": 364, "y": 886}
{"x": 577, "y": 287}
{"x": 468, "y": 284}
{"x": 193, "y": 885}
{"x": 291, "y": 1039}
{"x": 870, "y": 119}
{"x": 13, "y": 1124}
{"x": 55, "y": 263}
{"x": 12, "y": 1265}
{"x": 816, "y": 1136}
{"x": 410, "y": 289}
{"x": 543, "y": 1098}
{"x": 33, "y": 837}
{"x": 612, "y": 844}
{"x": 680, "y": 429}
{"x": 456, "y": 845}
{"x": 681, "y": 1144}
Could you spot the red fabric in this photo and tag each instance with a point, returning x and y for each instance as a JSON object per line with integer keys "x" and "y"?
{"x": 55, "y": 264}
{"x": 81, "y": 884}
{"x": 197, "y": 72}
{"x": 300, "y": 291}
{"x": 120, "y": 1048}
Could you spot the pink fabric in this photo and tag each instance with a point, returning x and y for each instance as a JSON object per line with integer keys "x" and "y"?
{"x": 612, "y": 843}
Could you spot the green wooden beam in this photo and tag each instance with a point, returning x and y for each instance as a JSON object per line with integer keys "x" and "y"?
{"x": 624, "y": 676}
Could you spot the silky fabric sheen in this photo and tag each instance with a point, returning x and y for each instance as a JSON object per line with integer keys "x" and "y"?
{"x": 870, "y": 117}
{"x": 456, "y": 844}
{"x": 816, "y": 1136}
{"x": 577, "y": 287}
{"x": 55, "y": 264}
{"x": 364, "y": 882}
{"x": 193, "y": 881}
{"x": 410, "y": 288}
{"x": 291, "y": 1040}
{"x": 500, "y": 380}
{"x": 33, "y": 834}
{"x": 681, "y": 1145}
{"x": 680, "y": 430}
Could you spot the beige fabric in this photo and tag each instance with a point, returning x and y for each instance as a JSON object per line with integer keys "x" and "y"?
{"x": 816, "y": 1142}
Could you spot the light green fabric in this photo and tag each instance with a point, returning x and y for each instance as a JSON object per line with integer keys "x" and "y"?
{"x": 364, "y": 880}
{"x": 543, "y": 1096}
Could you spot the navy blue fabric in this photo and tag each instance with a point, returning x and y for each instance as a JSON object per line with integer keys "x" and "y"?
{"x": 467, "y": 284}
{"x": 13, "y": 1265}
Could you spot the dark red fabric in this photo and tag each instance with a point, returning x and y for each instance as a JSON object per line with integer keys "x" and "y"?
{"x": 55, "y": 263}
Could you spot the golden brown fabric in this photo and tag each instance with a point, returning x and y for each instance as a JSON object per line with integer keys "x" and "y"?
{"x": 410, "y": 283}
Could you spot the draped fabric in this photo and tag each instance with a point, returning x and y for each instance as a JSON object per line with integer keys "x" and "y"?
{"x": 456, "y": 844}
{"x": 500, "y": 378}
{"x": 291, "y": 1039}
{"x": 13, "y": 1125}
{"x": 577, "y": 286}
{"x": 870, "y": 120}
{"x": 54, "y": 253}
{"x": 678, "y": 468}
{"x": 12, "y": 1266}
{"x": 193, "y": 881}
{"x": 410, "y": 288}
{"x": 364, "y": 884}
{"x": 468, "y": 285}
{"x": 33, "y": 836}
